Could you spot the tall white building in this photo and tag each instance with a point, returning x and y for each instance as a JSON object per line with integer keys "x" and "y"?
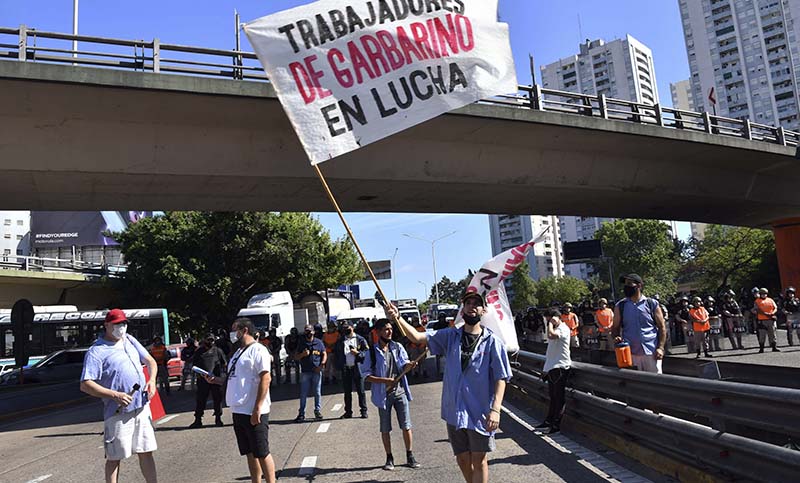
{"x": 698, "y": 230}
{"x": 14, "y": 226}
{"x": 546, "y": 258}
{"x": 622, "y": 69}
{"x": 746, "y": 50}
{"x": 682, "y": 95}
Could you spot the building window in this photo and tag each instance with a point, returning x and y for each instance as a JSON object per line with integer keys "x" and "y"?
{"x": 7, "y": 235}
{"x": 20, "y": 222}
{"x": 7, "y": 222}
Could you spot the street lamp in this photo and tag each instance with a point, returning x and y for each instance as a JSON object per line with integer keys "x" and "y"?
{"x": 394, "y": 274}
{"x": 425, "y": 286}
{"x": 74, "y": 28}
{"x": 433, "y": 256}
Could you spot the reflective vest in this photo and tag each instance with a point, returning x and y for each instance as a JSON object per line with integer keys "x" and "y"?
{"x": 572, "y": 322}
{"x": 160, "y": 354}
{"x": 604, "y": 319}
{"x": 767, "y": 306}
{"x": 330, "y": 339}
{"x": 699, "y": 319}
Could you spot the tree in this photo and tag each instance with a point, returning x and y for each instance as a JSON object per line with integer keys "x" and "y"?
{"x": 523, "y": 287}
{"x": 736, "y": 257}
{"x": 203, "y": 267}
{"x": 450, "y": 292}
{"x": 644, "y": 247}
{"x": 561, "y": 289}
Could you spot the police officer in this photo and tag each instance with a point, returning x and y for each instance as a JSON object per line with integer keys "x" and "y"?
{"x": 734, "y": 322}
{"x": 685, "y": 323}
{"x": 791, "y": 307}
{"x": 766, "y": 311}
{"x": 700, "y": 326}
{"x": 715, "y": 321}
{"x": 571, "y": 320}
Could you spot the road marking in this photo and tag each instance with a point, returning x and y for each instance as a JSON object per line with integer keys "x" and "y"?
{"x": 167, "y": 419}
{"x": 336, "y": 407}
{"x": 308, "y": 465}
{"x": 323, "y": 428}
{"x": 594, "y": 462}
{"x": 41, "y": 478}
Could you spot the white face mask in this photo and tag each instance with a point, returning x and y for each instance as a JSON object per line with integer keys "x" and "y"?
{"x": 119, "y": 330}
{"x": 234, "y": 336}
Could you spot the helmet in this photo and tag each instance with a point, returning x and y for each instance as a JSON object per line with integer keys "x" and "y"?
{"x": 754, "y": 290}
{"x": 603, "y": 301}
{"x": 763, "y": 290}
{"x": 697, "y": 300}
{"x": 683, "y": 298}
{"x": 790, "y": 289}
{"x": 709, "y": 299}
{"x": 567, "y": 305}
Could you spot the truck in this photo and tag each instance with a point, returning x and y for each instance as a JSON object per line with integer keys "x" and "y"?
{"x": 449, "y": 310}
{"x": 407, "y": 308}
{"x": 274, "y": 310}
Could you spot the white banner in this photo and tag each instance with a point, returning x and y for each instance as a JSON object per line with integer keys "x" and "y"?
{"x": 351, "y": 72}
{"x": 488, "y": 281}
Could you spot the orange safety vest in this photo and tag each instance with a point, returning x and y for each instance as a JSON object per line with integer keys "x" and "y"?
{"x": 767, "y": 306}
{"x": 330, "y": 339}
{"x": 160, "y": 354}
{"x": 572, "y": 322}
{"x": 604, "y": 319}
{"x": 699, "y": 319}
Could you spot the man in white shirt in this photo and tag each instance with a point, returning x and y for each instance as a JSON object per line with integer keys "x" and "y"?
{"x": 556, "y": 368}
{"x": 248, "y": 397}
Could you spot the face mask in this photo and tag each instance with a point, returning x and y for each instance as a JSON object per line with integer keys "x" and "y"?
{"x": 119, "y": 330}
{"x": 471, "y": 319}
{"x": 629, "y": 291}
{"x": 234, "y": 336}
{"x": 309, "y": 335}
{"x": 349, "y": 331}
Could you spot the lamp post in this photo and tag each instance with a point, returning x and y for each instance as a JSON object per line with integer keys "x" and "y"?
{"x": 433, "y": 256}
{"x": 394, "y": 274}
{"x": 425, "y": 286}
{"x": 74, "y": 28}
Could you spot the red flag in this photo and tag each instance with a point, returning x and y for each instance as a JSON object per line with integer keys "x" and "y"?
{"x": 156, "y": 408}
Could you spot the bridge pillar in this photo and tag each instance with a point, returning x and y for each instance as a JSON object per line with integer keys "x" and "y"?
{"x": 787, "y": 245}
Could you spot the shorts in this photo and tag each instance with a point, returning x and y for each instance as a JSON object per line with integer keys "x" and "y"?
{"x": 128, "y": 433}
{"x": 400, "y": 405}
{"x": 252, "y": 439}
{"x": 468, "y": 440}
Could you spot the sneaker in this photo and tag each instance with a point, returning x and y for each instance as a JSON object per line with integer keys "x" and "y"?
{"x": 709, "y": 355}
{"x": 554, "y": 430}
{"x": 389, "y": 466}
{"x": 218, "y": 422}
{"x": 412, "y": 463}
{"x": 198, "y": 423}
{"x": 775, "y": 349}
{"x": 300, "y": 419}
{"x": 317, "y": 415}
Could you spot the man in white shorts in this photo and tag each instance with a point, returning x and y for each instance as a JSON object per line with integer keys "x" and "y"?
{"x": 112, "y": 371}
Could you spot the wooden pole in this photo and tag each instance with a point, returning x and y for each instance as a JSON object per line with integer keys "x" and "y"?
{"x": 353, "y": 239}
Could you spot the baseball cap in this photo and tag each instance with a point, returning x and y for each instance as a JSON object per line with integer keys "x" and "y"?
{"x": 116, "y": 316}
{"x": 470, "y": 295}
{"x": 632, "y": 277}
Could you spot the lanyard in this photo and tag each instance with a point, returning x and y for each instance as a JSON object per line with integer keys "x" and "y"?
{"x": 235, "y": 360}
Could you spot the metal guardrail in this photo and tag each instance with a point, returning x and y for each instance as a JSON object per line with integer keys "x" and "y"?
{"x": 42, "y": 264}
{"x": 615, "y": 400}
{"x": 30, "y": 45}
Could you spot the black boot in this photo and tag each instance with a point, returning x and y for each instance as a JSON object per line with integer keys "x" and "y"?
{"x": 709, "y": 355}
{"x": 198, "y": 423}
{"x": 775, "y": 348}
{"x": 218, "y": 422}
{"x": 761, "y": 349}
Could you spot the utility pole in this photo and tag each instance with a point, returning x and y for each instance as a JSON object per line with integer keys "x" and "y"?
{"x": 74, "y": 28}
{"x": 394, "y": 273}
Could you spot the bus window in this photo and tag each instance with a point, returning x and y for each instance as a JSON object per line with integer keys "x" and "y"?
{"x": 276, "y": 321}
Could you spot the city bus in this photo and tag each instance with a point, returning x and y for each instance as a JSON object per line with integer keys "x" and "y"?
{"x": 54, "y": 330}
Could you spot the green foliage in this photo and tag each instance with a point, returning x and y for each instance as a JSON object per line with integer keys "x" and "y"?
{"x": 736, "y": 257}
{"x": 644, "y": 247}
{"x": 561, "y": 290}
{"x": 524, "y": 288}
{"x": 450, "y": 292}
{"x": 203, "y": 267}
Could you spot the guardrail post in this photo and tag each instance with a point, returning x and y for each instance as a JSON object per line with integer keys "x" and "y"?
{"x": 156, "y": 56}
{"x": 781, "y": 134}
{"x": 22, "y": 53}
{"x": 537, "y": 97}
{"x": 707, "y": 122}
{"x": 747, "y": 130}
{"x": 601, "y": 104}
{"x": 659, "y": 115}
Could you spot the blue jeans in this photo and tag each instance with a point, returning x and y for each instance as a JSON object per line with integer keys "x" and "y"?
{"x": 307, "y": 381}
{"x": 400, "y": 405}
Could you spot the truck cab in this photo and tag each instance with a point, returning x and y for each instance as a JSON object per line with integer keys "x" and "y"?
{"x": 273, "y": 310}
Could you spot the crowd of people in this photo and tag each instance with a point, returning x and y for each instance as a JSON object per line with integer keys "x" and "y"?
{"x": 243, "y": 363}
{"x": 703, "y": 323}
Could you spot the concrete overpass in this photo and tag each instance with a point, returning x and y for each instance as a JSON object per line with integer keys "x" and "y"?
{"x": 81, "y": 138}
{"x": 54, "y": 288}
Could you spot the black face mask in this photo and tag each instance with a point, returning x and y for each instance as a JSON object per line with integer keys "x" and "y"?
{"x": 629, "y": 291}
{"x": 309, "y": 335}
{"x": 471, "y": 319}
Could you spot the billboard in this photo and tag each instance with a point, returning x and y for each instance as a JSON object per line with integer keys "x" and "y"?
{"x": 582, "y": 250}
{"x": 82, "y": 228}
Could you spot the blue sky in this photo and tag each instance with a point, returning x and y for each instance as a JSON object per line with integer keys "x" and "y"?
{"x": 548, "y": 29}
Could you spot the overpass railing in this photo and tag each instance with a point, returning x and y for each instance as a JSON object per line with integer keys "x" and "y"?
{"x": 30, "y": 45}
{"x": 731, "y": 428}
{"x": 62, "y": 265}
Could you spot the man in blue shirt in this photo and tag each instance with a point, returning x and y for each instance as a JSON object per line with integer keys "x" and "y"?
{"x": 639, "y": 321}
{"x": 112, "y": 371}
{"x": 474, "y": 384}
{"x": 312, "y": 357}
{"x": 383, "y": 364}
